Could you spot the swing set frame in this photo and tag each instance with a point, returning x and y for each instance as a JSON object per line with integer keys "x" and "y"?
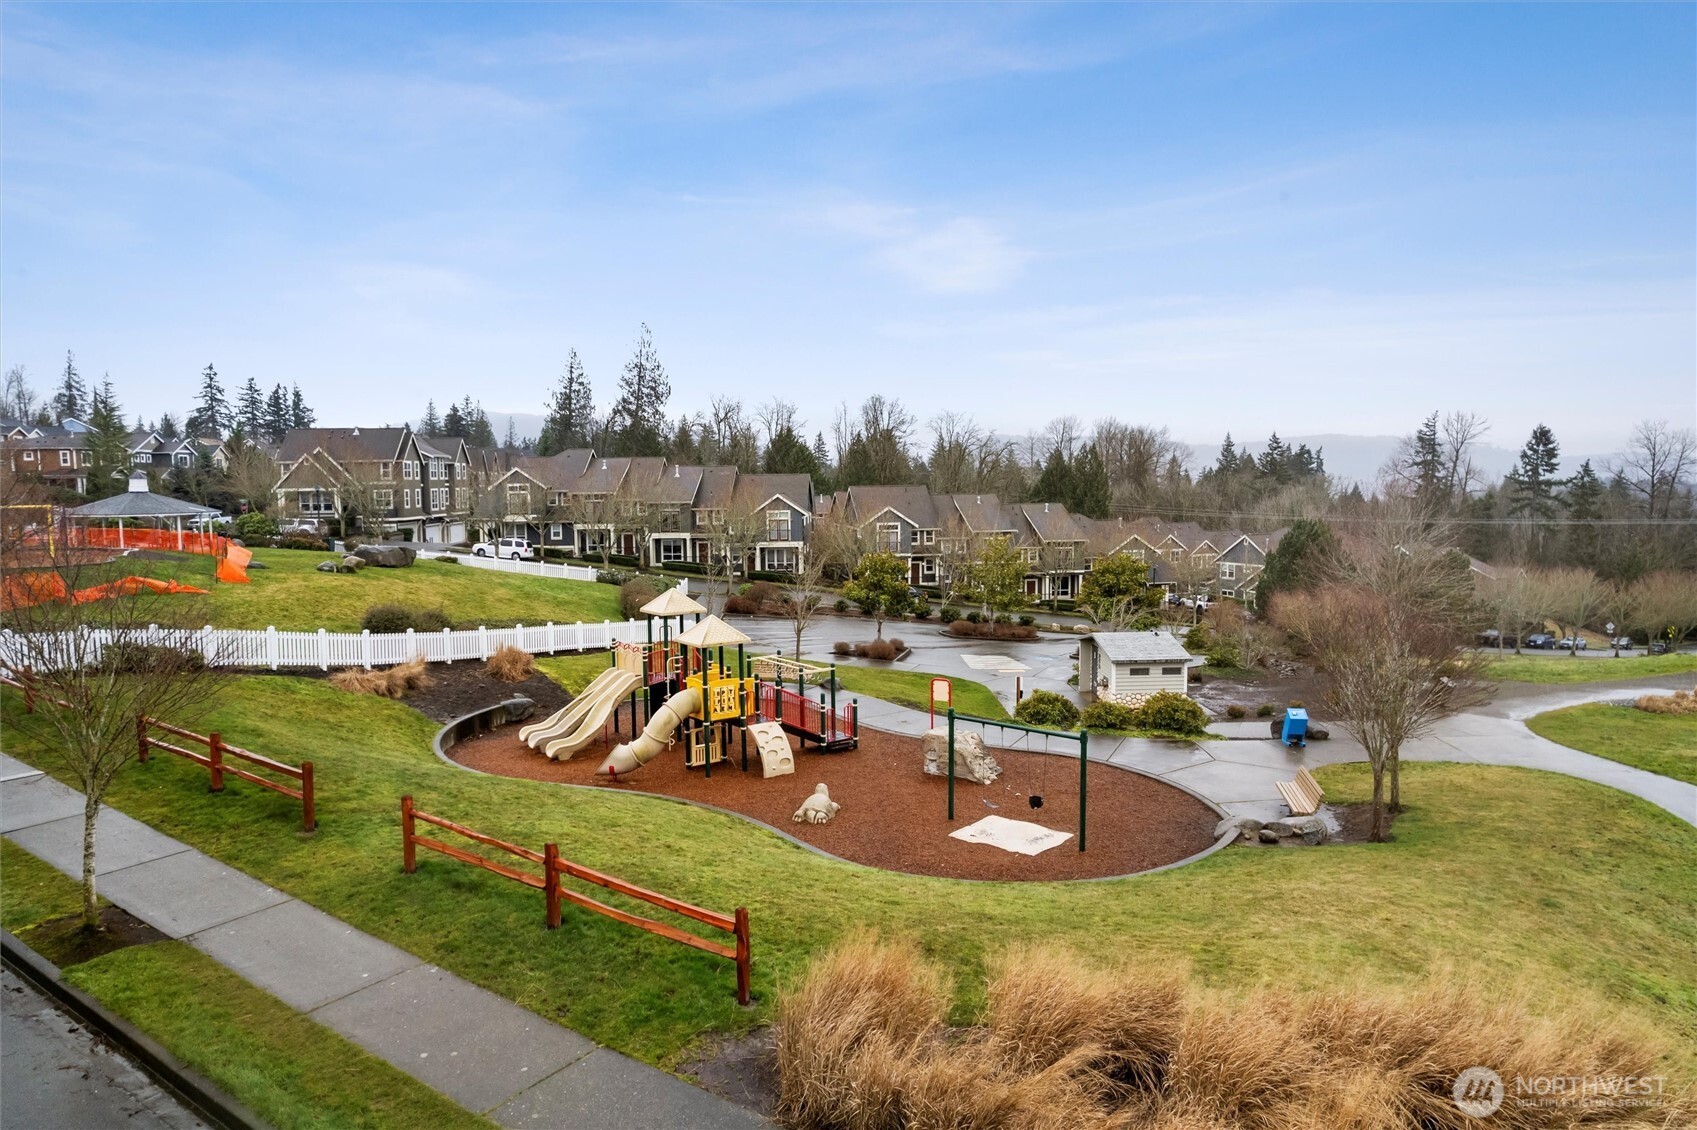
{"x": 1082, "y": 737}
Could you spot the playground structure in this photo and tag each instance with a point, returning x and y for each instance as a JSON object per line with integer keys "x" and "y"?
{"x": 690, "y": 685}
{"x": 1035, "y": 799}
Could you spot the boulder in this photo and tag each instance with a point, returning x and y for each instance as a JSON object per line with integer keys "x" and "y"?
{"x": 337, "y": 566}
{"x": 387, "y": 556}
{"x": 354, "y": 564}
{"x": 518, "y": 708}
{"x": 1268, "y": 836}
{"x": 972, "y": 761}
{"x": 1310, "y": 829}
{"x": 257, "y": 565}
{"x": 1247, "y": 827}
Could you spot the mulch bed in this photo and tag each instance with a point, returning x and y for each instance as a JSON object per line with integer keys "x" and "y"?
{"x": 462, "y": 688}
{"x": 894, "y": 816}
{"x": 64, "y": 942}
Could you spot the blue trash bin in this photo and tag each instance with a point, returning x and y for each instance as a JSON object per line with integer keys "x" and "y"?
{"x": 1296, "y": 727}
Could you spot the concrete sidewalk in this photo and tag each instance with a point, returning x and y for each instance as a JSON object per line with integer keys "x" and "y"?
{"x": 481, "y": 1050}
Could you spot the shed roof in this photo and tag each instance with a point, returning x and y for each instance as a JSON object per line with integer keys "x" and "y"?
{"x": 142, "y": 504}
{"x": 1141, "y": 647}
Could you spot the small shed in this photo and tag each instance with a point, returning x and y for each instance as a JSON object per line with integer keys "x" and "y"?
{"x": 140, "y": 507}
{"x": 1119, "y": 663}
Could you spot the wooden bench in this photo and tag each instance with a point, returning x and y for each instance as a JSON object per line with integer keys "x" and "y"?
{"x": 1303, "y": 795}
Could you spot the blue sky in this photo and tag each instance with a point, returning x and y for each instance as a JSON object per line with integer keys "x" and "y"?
{"x": 1313, "y": 218}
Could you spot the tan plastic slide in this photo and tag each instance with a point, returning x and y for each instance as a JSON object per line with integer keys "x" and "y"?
{"x": 656, "y": 736}
{"x": 563, "y": 720}
{"x": 607, "y": 700}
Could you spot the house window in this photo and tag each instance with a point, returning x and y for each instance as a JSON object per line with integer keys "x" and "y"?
{"x": 518, "y": 498}
{"x": 29, "y": 457}
{"x": 1137, "y": 671}
{"x": 1137, "y": 555}
{"x": 1172, "y": 670}
{"x": 780, "y": 560}
{"x": 1029, "y": 556}
{"x": 1228, "y": 592}
{"x": 1228, "y": 572}
{"x": 182, "y": 459}
{"x": 315, "y": 502}
{"x": 556, "y": 531}
{"x": 385, "y": 471}
{"x": 928, "y": 569}
{"x": 383, "y": 499}
{"x": 890, "y": 536}
{"x": 64, "y": 459}
{"x": 778, "y": 525}
{"x": 558, "y": 498}
{"x": 671, "y": 549}
{"x": 928, "y": 537}
{"x": 1176, "y": 555}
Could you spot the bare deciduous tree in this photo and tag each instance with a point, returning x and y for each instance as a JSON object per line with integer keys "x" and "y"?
{"x": 95, "y": 667}
{"x": 1659, "y": 461}
{"x": 806, "y": 592}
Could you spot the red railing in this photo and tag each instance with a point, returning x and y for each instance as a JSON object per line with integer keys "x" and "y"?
{"x": 25, "y": 683}
{"x": 803, "y": 715}
{"x": 554, "y": 867}
{"x": 214, "y": 760}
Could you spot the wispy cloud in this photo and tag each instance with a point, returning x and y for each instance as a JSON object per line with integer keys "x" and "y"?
{"x": 952, "y": 255}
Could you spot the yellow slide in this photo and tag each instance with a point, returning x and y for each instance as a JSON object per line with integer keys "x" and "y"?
{"x": 656, "y": 736}
{"x": 564, "y": 719}
{"x": 601, "y": 707}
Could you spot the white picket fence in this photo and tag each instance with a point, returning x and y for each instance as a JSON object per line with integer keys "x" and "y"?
{"x": 269, "y": 648}
{"x": 528, "y": 568}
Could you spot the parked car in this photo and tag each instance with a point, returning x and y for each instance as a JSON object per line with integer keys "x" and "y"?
{"x": 514, "y": 549}
{"x": 1572, "y": 643}
{"x": 1622, "y": 642}
{"x": 1490, "y": 637}
{"x": 300, "y": 527}
{"x": 1658, "y": 647}
{"x": 1541, "y": 640}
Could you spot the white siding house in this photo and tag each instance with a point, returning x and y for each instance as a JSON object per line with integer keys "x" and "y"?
{"x": 1117, "y": 663}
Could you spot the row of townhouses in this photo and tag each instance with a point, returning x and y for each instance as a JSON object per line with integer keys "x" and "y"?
{"x": 59, "y": 455}
{"x": 434, "y": 489}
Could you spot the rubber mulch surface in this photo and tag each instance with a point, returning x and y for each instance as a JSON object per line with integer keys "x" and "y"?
{"x": 895, "y": 816}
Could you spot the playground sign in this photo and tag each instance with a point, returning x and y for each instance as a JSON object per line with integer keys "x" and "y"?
{"x": 942, "y": 691}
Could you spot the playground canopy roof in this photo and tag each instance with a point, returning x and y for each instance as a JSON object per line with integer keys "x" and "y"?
{"x": 673, "y": 602}
{"x": 711, "y": 632}
{"x": 142, "y": 504}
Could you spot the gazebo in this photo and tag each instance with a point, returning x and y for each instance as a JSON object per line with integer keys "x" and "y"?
{"x": 141, "y": 507}
{"x": 674, "y": 602}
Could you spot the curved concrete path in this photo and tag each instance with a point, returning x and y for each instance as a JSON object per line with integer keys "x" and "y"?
{"x": 1240, "y": 773}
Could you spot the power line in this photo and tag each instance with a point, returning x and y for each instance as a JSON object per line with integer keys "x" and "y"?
{"x": 1182, "y": 513}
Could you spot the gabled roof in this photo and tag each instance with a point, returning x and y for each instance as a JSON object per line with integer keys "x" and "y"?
{"x": 344, "y": 444}
{"x": 1050, "y": 522}
{"x": 1142, "y": 647}
{"x": 758, "y": 490}
{"x": 69, "y": 441}
{"x": 602, "y": 476}
{"x": 916, "y": 504}
{"x": 678, "y": 485}
{"x": 718, "y": 485}
{"x": 983, "y": 513}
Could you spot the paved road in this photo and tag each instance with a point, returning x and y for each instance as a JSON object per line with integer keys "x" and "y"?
{"x": 57, "y": 1075}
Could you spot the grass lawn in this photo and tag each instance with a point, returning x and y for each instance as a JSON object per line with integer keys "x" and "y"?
{"x": 290, "y": 1070}
{"x": 1561, "y": 667}
{"x": 912, "y": 688}
{"x": 290, "y": 593}
{"x": 1599, "y": 908}
{"x": 1660, "y": 743}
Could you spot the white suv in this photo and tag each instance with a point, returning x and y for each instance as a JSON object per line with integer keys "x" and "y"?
{"x": 516, "y": 549}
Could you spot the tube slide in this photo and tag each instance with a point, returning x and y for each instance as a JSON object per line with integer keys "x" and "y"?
{"x": 656, "y": 736}
{"x": 563, "y": 719}
{"x": 606, "y": 701}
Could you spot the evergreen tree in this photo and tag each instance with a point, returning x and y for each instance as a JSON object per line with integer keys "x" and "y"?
{"x": 431, "y": 425}
{"x": 478, "y": 430}
{"x": 453, "y": 423}
{"x": 1426, "y": 467}
{"x": 1228, "y": 463}
{"x": 72, "y": 397}
{"x": 1275, "y": 461}
{"x": 250, "y": 410}
{"x": 638, "y": 416}
{"x": 108, "y": 443}
{"x": 211, "y": 415}
{"x": 168, "y": 428}
{"x": 1298, "y": 562}
{"x": 1533, "y": 484}
{"x": 277, "y": 418}
{"x": 511, "y": 442}
{"x": 570, "y": 419}
{"x": 788, "y": 454}
{"x": 300, "y": 416}
{"x": 1092, "y": 492}
{"x": 1584, "y": 499}
{"x": 1055, "y": 482}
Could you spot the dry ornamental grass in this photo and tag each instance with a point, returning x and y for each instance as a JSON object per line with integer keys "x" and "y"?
{"x": 863, "y": 1044}
{"x": 511, "y": 664}
{"x": 397, "y": 682}
{"x": 1679, "y": 702}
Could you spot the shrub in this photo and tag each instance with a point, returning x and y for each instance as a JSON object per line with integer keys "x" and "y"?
{"x": 1047, "y": 709}
{"x": 896, "y": 643}
{"x": 841, "y": 605}
{"x": 397, "y": 682}
{"x": 878, "y": 649}
{"x": 742, "y": 605}
{"x": 1223, "y": 654}
{"x": 255, "y": 528}
{"x": 1106, "y": 715}
{"x": 1235, "y": 711}
{"x": 975, "y": 617}
{"x": 510, "y": 664}
{"x": 448, "y": 559}
{"x": 303, "y": 541}
{"x": 1003, "y": 618}
{"x": 923, "y": 612}
{"x": 431, "y": 620}
{"x": 1679, "y": 702}
{"x": 1172, "y": 713}
{"x": 634, "y": 593}
{"x": 968, "y": 630}
{"x": 1198, "y": 641}
{"x": 387, "y": 618}
{"x": 1027, "y": 621}
{"x": 764, "y": 592}
{"x": 1266, "y": 709}
{"x": 613, "y": 576}
{"x": 127, "y": 658}
{"x": 842, "y": 647}
{"x": 949, "y": 614}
